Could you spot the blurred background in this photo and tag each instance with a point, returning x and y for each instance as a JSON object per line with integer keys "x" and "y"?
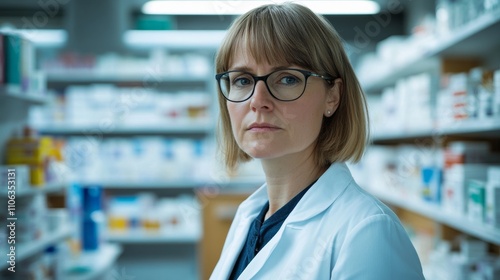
{"x": 107, "y": 130}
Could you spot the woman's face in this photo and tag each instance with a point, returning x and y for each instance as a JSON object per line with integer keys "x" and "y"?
{"x": 267, "y": 128}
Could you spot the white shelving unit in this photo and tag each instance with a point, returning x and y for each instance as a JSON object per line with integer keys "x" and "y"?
{"x": 14, "y": 106}
{"x": 435, "y": 212}
{"x": 24, "y": 251}
{"x": 484, "y": 128}
{"x": 467, "y": 41}
{"x": 95, "y": 265}
{"x": 478, "y": 39}
{"x": 179, "y": 127}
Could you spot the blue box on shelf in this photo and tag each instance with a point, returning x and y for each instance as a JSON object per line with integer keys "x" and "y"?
{"x": 92, "y": 217}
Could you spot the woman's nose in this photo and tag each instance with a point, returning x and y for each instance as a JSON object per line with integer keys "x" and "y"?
{"x": 261, "y": 98}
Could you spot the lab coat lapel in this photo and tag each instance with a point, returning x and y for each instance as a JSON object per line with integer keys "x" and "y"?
{"x": 260, "y": 259}
{"x": 234, "y": 248}
{"x": 326, "y": 190}
{"x": 249, "y": 210}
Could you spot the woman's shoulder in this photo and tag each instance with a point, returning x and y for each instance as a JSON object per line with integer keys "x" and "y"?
{"x": 355, "y": 206}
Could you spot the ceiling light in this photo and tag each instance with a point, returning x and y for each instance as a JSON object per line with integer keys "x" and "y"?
{"x": 174, "y": 38}
{"x": 166, "y": 7}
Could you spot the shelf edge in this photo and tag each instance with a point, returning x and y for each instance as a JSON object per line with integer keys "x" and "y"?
{"x": 436, "y": 213}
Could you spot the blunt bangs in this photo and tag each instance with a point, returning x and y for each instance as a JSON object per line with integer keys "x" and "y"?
{"x": 266, "y": 35}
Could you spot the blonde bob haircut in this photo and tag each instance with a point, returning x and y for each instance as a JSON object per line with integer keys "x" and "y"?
{"x": 291, "y": 34}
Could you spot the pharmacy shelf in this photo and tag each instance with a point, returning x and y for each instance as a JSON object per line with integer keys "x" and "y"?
{"x": 144, "y": 237}
{"x": 186, "y": 183}
{"x": 95, "y": 265}
{"x": 44, "y": 189}
{"x": 12, "y": 94}
{"x": 409, "y": 135}
{"x": 482, "y": 128}
{"x": 181, "y": 128}
{"x": 414, "y": 65}
{"x": 24, "y": 251}
{"x": 476, "y": 39}
{"x": 436, "y": 213}
{"x": 146, "y": 78}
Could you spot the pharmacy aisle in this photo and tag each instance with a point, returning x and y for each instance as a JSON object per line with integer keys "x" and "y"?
{"x": 108, "y": 148}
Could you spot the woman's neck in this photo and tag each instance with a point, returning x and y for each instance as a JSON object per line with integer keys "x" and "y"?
{"x": 286, "y": 178}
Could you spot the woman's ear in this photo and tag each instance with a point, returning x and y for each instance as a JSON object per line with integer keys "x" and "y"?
{"x": 333, "y": 97}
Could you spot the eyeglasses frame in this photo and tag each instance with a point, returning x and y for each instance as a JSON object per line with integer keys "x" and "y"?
{"x": 306, "y": 74}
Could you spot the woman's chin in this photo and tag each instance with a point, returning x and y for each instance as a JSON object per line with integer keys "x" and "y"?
{"x": 260, "y": 153}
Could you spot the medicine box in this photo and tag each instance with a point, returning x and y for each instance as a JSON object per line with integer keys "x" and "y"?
{"x": 492, "y": 215}
{"x": 455, "y": 179}
{"x": 476, "y": 201}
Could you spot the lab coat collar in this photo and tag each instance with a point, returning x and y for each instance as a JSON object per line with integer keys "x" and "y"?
{"x": 321, "y": 195}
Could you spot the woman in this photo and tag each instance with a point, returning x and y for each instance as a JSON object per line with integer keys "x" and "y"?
{"x": 289, "y": 97}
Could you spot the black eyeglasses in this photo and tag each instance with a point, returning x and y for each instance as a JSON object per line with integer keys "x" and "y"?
{"x": 284, "y": 84}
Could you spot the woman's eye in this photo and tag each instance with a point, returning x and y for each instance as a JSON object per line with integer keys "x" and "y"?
{"x": 241, "y": 81}
{"x": 288, "y": 80}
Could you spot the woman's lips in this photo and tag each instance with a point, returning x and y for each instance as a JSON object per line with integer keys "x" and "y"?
{"x": 262, "y": 127}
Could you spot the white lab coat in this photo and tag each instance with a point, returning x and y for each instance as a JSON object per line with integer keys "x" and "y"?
{"x": 336, "y": 231}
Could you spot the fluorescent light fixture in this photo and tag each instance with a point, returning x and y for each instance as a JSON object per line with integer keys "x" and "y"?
{"x": 174, "y": 38}
{"x": 167, "y": 7}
